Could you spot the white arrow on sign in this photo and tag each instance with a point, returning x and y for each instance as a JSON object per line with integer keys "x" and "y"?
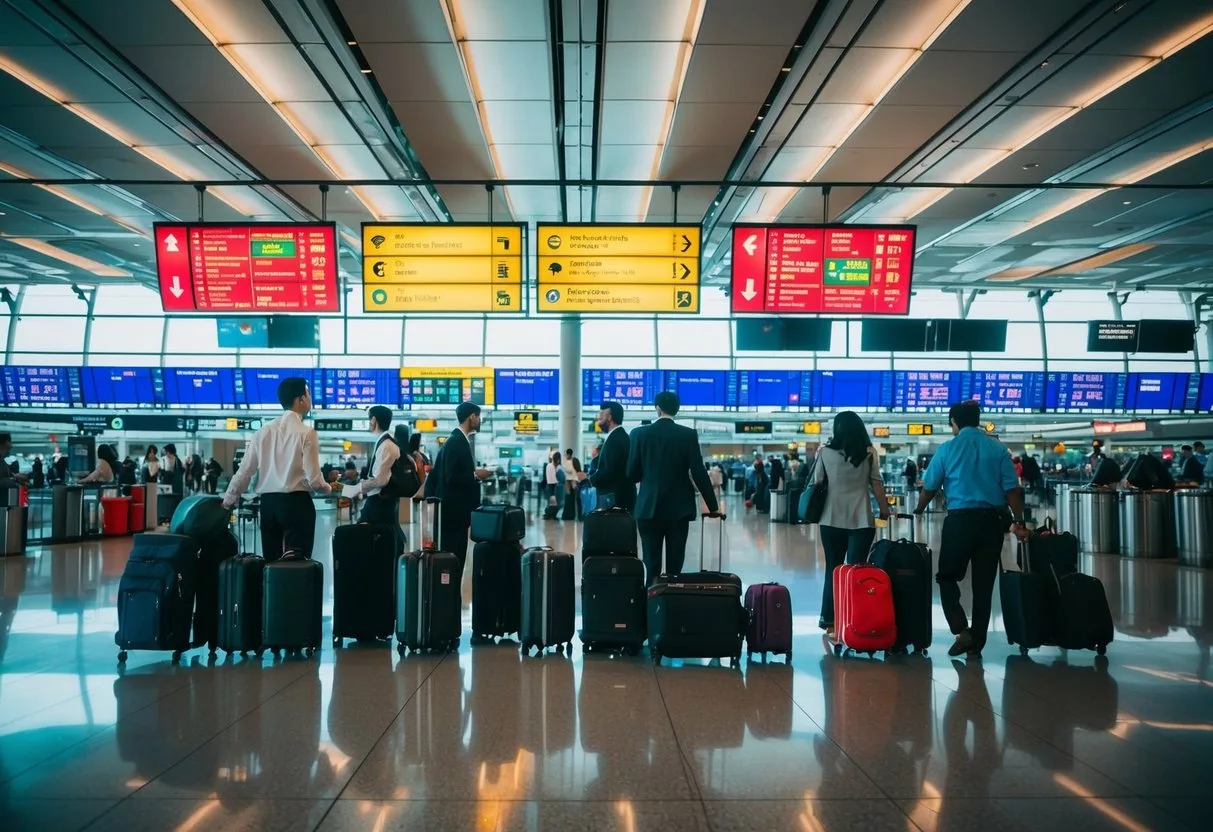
{"x": 751, "y": 244}
{"x": 170, "y": 243}
{"x": 176, "y": 287}
{"x": 749, "y": 293}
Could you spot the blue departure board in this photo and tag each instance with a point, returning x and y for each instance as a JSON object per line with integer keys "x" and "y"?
{"x": 1079, "y": 392}
{"x": 1204, "y": 396}
{"x": 777, "y": 388}
{"x": 42, "y": 386}
{"x": 926, "y": 389}
{"x": 1156, "y": 391}
{"x": 257, "y": 387}
{"x": 843, "y": 389}
{"x": 513, "y": 388}
{"x": 1005, "y": 392}
{"x": 631, "y": 388}
{"x": 122, "y": 386}
{"x": 361, "y": 388}
{"x": 700, "y": 388}
{"x": 200, "y": 386}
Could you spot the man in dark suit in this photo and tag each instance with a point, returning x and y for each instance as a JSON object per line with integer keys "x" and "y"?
{"x": 455, "y": 480}
{"x": 664, "y": 458}
{"x": 610, "y": 475}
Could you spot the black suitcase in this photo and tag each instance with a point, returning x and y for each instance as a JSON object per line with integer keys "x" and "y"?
{"x": 1084, "y": 621}
{"x": 291, "y": 606}
{"x": 697, "y": 615}
{"x": 909, "y": 565}
{"x": 364, "y": 573}
{"x": 156, "y": 595}
{"x": 1028, "y": 605}
{"x": 548, "y": 604}
{"x": 428, "y": 600}
{"x": 1052, "y": 552}
{"x": 613, "y": 604}
{"x": 496, "y": 590}
{"x": 201, "y": 516}
{"x": 213, "y": 553}
{"x": 241, "y": 584}
{"x": 498, "y": 524}
{"x": 610, "y": 531}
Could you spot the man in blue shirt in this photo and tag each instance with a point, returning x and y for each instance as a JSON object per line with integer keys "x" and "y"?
{"x": 975, "y": 472}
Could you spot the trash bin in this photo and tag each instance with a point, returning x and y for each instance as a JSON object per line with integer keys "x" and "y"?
{"x": 1095, "y": 520}
{"x": 779, "y": 506}
{"x": 1145, "y": 523}
{"x": 1065, "y": 517}
{"x": 67, "y": 513}
{"x": 1194, "y": 526}
{"x": 13, "y": 520}
{"x": 138, "y": 511}
{"x": 115, "y": 516}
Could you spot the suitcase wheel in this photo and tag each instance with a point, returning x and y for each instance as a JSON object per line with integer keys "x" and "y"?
{"x": 1102, "y": 649}
{"x": 122, "y": 657}
{"x": 1023, "y": 651}
{"x": 656, "y": 658}
{"x": 338, "y": 643}
{"x": 837, "y": 649}
{"x": 177, "y": 657}
{"x": 400, "y": 648}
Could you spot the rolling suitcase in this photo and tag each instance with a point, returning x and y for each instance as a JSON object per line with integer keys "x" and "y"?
{"x": 291, "y": 605}
{"x": 156, "y": 595}
{"x": 1083, "y": 621}
{"x": 547, "y": 600}
{"x": 241, "y": 584}
{"x": 908, "y": 564}
{"x": 697, "y": 615}
{"x": 769, "y": 610}
{"x": 496, "y": 590}
{"x": 864, "y": 619}
{"x": 201, "y": 517}
{"x": 498, "y": 524}
{"x": 612, "y": 603}
{"x": 214, "y": 552}
{"x": 364, "y": 568}
{"x": 609, "y": 531}
{"x": 1028, "y": 604}
{"x": 428, "y": 598}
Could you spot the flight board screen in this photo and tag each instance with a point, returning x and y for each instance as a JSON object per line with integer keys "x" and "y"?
{"x": 528, "y": 387}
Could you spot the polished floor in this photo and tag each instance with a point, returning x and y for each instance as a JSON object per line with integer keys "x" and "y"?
{"x": 486, "y": 740}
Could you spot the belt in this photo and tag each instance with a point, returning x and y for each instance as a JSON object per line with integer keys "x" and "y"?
{"x": 971, "y": 510}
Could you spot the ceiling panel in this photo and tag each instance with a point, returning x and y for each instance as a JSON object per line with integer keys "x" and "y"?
{"x": 1094, "y": 129}
{"x": 1021, "y": 26}
{"x": 685, "y": 162}
{"x": 953, "y": 78}
{"x": 904, "y": 127}
{"x": 391, "y": 21}
{"x": 632, "y": 122}
{"x": 731, "y": 74}
{"x": 244, "y": 124}
{"x": 211, "y": 79}
{"x": 418, "y": 71}
{"x": 719, "y": 125}
{"x": 644, "y": 20}
{"x": 529, "y": 76}
{"x": 738, "y": 22}
{"x": 630, "y": 68}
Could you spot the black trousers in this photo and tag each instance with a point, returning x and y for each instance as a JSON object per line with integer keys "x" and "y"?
{"x": 453, "y": 538}
{"x": 841, "y": 546}
{"x": 670, "y": 535}
{"x": 288, "y": 523}
{"x": 384, "y": 511}
{"x": 970, "y": 538}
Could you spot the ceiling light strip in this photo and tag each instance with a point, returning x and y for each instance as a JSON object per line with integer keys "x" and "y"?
{"x": 56, "y": 253}
{"x": 79, "y": 202}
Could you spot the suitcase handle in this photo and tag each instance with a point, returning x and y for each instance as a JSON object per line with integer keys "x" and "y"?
{"x": 436, "y": 503}
{"x": 703, "y": 525}
{"x": 901, "y": 515}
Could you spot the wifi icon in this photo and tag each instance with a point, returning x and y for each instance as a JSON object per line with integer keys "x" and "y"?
{"x": 378, "y": 240}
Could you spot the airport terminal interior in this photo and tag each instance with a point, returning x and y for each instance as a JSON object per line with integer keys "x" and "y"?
{"x": 778, "y": 210}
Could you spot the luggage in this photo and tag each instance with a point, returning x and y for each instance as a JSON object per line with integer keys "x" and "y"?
{"x": 1028, "y": 604}
{"x": 1049, "y": 551}
{"x": 156, "y": 595}
{"x": 864, "y": 619}
{"x": 769, "y": 610}
{"x": 364, "y": 569}
{"x": 202, "y": 517}
{"x": 496, "y": 590}
{"x": 1084, "y": 621}
{"x": 612, "y": 603}
{"x": 241, "y": 584}
{"x": 909, "y": 566}
{"x": 610, "y": 531}
{"x": 213, "y": 553}
{"x": 547, "y": 600}
{"x": 697, "y": 615}
{"x": 498, "y": 524}
{"x": 428, "y": 600}
{"x": 291, "y": 605}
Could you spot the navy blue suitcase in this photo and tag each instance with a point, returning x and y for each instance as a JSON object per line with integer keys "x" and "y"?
{"x": 156, "y": 595}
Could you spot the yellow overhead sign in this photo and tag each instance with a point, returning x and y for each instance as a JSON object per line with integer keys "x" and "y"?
{"x": 671, "y": 271}
{"x": 526, "y": 421}
{"x": 618, "y": 240}
{"x": 564, "y": 297}
{"x": 446, "y": 372}
{"x": 457, "y": 297}
{"x": 435, "y": 239}
{"x": 920, "y": 430}
{"x": 455, "y": 269}
{"x": 425, "y": 425}
{"x": 812, "y": 428}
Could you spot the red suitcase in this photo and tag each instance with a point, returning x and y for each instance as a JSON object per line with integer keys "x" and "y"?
{"x": 769, "y": 607}
{"x": 864, "y": 619}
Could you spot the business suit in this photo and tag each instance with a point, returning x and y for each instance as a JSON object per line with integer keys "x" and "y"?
{"x": 610, "y": 474}
{"x": 664, "y": 458}
{"x": 453, "y": 480}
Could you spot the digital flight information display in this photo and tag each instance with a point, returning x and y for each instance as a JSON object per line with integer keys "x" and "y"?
{"x": 1077, "y": 392}
{"x": 127, "y": 386}
{"x": 926, "y": 390}
{"x": 528, "y": 387}
{"x": 41, "y": 386}
{"x": 823, "y": 269}
{"x": 631, "y": 388}
{"x": 844, "y": 389}
{"x": 417, "y": 391}
{"x": 1158, "y": 391}
{"x": 700, "y": 388}
{"x": 1005, "y": 392}
{"x": 265, "y": 267}
{"x": 200, "y": 386}
{"x": 361, "y": 388}
{"x": 257, "y": 387}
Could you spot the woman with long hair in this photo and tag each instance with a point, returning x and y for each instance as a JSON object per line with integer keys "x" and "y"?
{"x": 554, "y": 479}
{"x": 848, "y": 461}
{"x": 151, "y": 465}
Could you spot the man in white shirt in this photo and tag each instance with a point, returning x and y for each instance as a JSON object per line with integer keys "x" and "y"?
{"x": 381, "y": 504}
{"x": 285, "y": 457}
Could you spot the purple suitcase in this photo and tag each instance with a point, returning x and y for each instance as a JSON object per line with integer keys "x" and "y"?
{"x": 770, "y": 611}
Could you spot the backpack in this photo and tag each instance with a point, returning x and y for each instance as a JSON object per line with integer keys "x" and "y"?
{"x": 405, "y": 481}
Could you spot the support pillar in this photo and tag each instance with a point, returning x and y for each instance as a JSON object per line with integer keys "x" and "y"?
{"x": 570, "y": 385}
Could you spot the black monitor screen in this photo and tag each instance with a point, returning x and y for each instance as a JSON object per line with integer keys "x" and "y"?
{"x": 759, "y": 334}
{"x": 301, "y": 332}
{"x": 894, "y": 335}
{"x": 974, "y": 336}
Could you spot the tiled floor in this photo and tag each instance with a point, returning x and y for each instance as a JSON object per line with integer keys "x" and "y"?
{"x": 485, "y": 740}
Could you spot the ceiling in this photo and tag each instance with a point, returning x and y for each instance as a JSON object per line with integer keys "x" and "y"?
{"x": 1004, "y": 103}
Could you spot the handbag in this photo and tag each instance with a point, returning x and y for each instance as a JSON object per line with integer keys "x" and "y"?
{"x": 813, "y": 500}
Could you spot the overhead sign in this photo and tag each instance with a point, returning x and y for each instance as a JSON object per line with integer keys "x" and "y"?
{"x": 1108, "y": 428}
{"x": 446, "y": 385}
{"x": 267, "y": 267}
{"x": 618, "y": 268}
{"x": 811, "y": 428}
{"x": 425, "y": 425}
{"x": 823, "y": 269}
{"x": 920, "y": 430}
{"x": 753, "y": 427}
{"x": 526, "y": 421}
{"x": 242, "y": 424}
{"x": 427, "y": 267}
{"x": 881, "y": 432}
{"x": 343, "y": 425}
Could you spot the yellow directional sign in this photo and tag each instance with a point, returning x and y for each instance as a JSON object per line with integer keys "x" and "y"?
{"x": 668, "y": 270}
{"x": 452, "y": 297}
{"x": 618, "y": 240}
{"x": 456, "y": 269}
{"x": 433, "y": 239}
{"x": 812, "y": 428}
{"x": 575, "y": 297}
{"x": 526, "y": 421}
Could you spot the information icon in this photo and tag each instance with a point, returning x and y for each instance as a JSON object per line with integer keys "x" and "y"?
{"x": 379, "y": 297}
{"x": 553, "y": 295}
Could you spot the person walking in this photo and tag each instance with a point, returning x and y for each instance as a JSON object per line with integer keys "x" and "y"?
{"x": 455, "y": 480}
{"x": 610, "y": 474}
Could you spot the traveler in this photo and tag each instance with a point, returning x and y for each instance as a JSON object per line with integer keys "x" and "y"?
{"x": 285, "y": 457}
{"x": 660, "y": 458}
{"x": 213, "y": 472}
{"x": 760, "y": 488}
{"x": 382, "y": 502}
{"x": 975, "y": 472}
{"x": 1191, "y": 468}
{"x": 107, "y": 467}
{"x": 553, "y": 480}
{"x": 716, "y": 477}
{"x": 572, "y": 485}
{"x": 776, "y": 473}
{"x": 418, "y": 455}
{"x": 151, "y": 466}
{"x": 197, "y": 474}
{"x": 610, "y": 475}
{"x": 848, "y": 463}
{"x": 7, "y": 478}
{"x": 456, "y": 480}
{"x": 127, "y": 475}
{"x": 38, "y": 473}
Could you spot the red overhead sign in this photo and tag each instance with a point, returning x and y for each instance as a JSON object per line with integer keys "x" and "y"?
{"x": 257, "y": 267}
{"x": 823, "y": 269}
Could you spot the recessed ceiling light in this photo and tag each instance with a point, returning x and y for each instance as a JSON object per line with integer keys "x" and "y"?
{"x": 1127, "y": 202}
{"x": 351, "y": 43}
{"x": 1044, "y": 63}
{"x": 366, "y": 71}
{"x": 1031, "y": 166}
